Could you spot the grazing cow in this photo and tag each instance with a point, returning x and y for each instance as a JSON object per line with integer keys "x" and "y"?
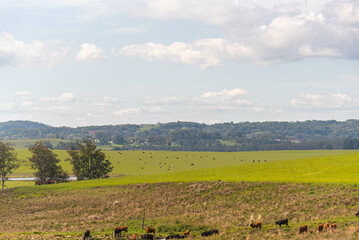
{"x": 86, "y": 235}
{"x": 326, "y": 226}
{"x": 357, "y": 214}
{"x": 303, "y": 229}
{"x": 209, "y": 233}
{"x": 147, "y": 236}
{"x": 133, "y": 237}
{"x": 320, "y": 228}
{"x": 150, "y": 230}
{"x": 282, "y": 222}
{"x": 186, "y": 233}
{"x": 174, "y": 236}
{"x": 119, "y": 230}
{"x": 256, "y": 225}
{"x": 39, "y": 182}
{"x": 332, "y": 226}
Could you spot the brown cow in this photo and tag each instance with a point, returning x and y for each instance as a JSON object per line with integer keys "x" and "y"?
{"x": 332, "y": 226}
{"x": 133, "y": 237}
{"x": 303, "y": 229}
{"x": 326, "y": 226}
{"x": 256, "y": 225}
{"x": 150, "y": 230}
{"x": 186, "y": 233}
{"x": 320, "y": 228}
{"x": 119, "y": 230}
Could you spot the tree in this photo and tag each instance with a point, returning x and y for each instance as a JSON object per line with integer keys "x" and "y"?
{"x": 118, "y": 139}
{"x": 88, "y": 161}
{"x": 8, "y": 161}
{"x": 45, "y": 161}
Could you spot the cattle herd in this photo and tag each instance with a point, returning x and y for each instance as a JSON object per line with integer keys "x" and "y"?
{"x": 150, "y": 232}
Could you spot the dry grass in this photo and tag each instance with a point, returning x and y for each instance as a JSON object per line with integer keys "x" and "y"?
{"x": 176, "y": 207}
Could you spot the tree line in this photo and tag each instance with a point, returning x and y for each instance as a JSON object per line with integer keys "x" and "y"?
{"x": 88, "y": 162}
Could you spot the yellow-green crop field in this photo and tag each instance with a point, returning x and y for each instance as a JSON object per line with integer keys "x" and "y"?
{"x": 322, "y": 166}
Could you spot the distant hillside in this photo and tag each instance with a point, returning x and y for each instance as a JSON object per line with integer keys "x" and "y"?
{"x": 21, "y": 125}
{"x": 191, "y": 136}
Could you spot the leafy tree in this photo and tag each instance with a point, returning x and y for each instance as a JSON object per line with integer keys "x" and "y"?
{"x": 118, "y": 139}
{"x": 88, "y": 161}
{"x": 8, "y": 161}
{"x": 45, "y": 161}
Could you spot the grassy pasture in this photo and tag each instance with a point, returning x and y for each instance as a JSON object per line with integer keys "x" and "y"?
{"x": 134, "y": 163}
{"x": 280, "y": 166}
{"x": 176, "y": 207}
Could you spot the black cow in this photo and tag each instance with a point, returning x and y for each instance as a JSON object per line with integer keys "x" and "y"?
{"x": 357, "y": 214}
{"x": 86, "y": 235}
{"x": 282, "y": 222}
{"x": 175, "y": 236}
{"x": 209, "y": 233}
{"x": 147, "y": 236}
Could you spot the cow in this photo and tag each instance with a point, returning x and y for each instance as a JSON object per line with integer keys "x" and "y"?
{"x": 175, "y": 236}
{"x": 320, "y": 228}
{"x": 326, "y": 226}
{"x": 282, "y": 222}
{"x": 39, "y": 182}
{"x": 256, "y": 225}
{"x": 209, "y": 233}
{"x": 86, "y": 235}
{"x": 151, "y": 230}
{"x": 119, "y": 230}
{"x": 357, "y": 214}
{"x": 303, "y": 229}
{"x": 332, "y": 226}
{"x": 147, "y": 236}
{"x": 133, "y": 237}
{"x": 186, "y": 233}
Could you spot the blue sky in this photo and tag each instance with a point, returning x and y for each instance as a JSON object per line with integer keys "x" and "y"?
{"x": 95, "y": 62}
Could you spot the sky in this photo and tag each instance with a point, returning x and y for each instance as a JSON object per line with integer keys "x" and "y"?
{"x": 98, "y": 62}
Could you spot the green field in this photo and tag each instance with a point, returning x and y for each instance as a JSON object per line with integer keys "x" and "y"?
{"x": 285, "y": 166}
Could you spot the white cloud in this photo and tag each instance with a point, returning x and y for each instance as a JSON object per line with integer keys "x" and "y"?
{"x": 22, "y": 93}
{"x": 90, "y": 53}
{"x": 16, "y": 53}
{"x": 66, "y": 97}
{"x": 325, "y": 101}
{"x": 63, "y": 98}
{"x": 205, "y": 53}
{"x": 27, "y": 103}
{"x": 60, "y": 109}
{"x": 257, "y": 32}
{"x": 224, "y": 94}
{"x": 127, "y": 111}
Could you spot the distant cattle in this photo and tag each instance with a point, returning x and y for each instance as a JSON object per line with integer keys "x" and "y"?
{"x": 147, "y": 236}
{"x": 357, "y": 214}
{"x": 256, "y": 225}
{"x": 320, "y": 228}
{"x": 332, "y": 226}
{"x": 39, "y": 182}
{"x": 86, "y": 235}
{"x": 303, "y": 229}
{"x": 326, "y": 226}
{"x": 150, "y": 230}
{"x": 175, "y": 236}
{"x": 209, "y": 233}
{"x": 186, "y": 233}
{"x": 119, "y": 230}
{"x": 282, "y": 222}
{"x": 133, "y": 237}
